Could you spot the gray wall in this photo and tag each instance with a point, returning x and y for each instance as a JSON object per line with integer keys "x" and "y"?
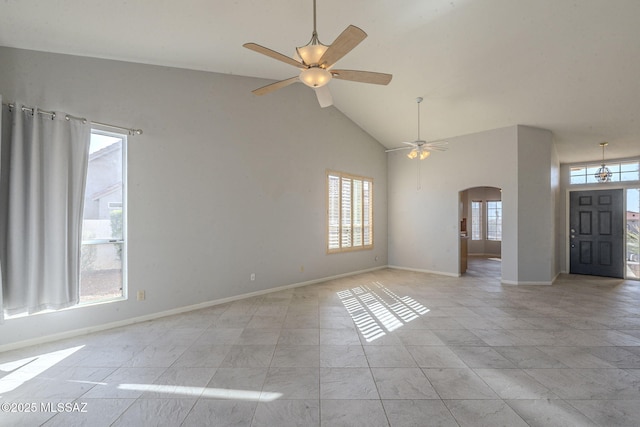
{"x": 424, "y": 222}
{"x": 537, "y": 193}
{"x": 222, "y": 183}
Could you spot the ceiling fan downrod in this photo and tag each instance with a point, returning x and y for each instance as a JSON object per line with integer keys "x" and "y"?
{"x": 418, "y": 100}
{"x": 314, "y": 36}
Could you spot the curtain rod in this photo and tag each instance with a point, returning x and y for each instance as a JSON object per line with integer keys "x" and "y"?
{"x": 130, "y": 131}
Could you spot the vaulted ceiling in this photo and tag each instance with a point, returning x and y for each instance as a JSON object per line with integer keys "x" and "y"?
{"x": 570, "y": 66}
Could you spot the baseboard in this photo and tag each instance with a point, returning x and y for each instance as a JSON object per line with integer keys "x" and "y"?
{"x": 517, "y": 282}
{"x": 174, "y": 311}
{"x": 420, "y": 270}
{"x": 523, "y": 283}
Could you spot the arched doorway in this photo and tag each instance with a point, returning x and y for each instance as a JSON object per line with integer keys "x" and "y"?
{"x": 480, "y": 217}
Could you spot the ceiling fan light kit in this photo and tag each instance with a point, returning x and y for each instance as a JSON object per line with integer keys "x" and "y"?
{"x": 418, "y": 152}
{"x": 316, "y": 60}
{"x": 315, "y": 77}
{"x": 311, "y": 53}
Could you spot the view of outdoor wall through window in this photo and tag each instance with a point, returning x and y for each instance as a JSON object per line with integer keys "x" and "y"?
{"x": 633, "y": 233}
{"x": 103, "y": 259}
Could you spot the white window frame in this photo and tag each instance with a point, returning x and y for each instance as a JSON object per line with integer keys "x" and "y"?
{"x": 621, "y": 171}
{"x": 476, "y": 220}
{"x": 349, "y": 209}
{"x": 123, "y": 239}
{"x": 490, "y": 221}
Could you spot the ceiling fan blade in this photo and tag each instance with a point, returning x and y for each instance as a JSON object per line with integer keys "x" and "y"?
{"x": 413, "y": 144}
{"x": 397, "y": 149}
{"x": 275, "y": 86}
{"x": 430, "y": 148}
{"x": 343, "y": 44}
{"x": 436, "y": 146}
{"x": 324, "y": 96}
{"x": 273, "y": 54}
{"x": 362, "y": 76}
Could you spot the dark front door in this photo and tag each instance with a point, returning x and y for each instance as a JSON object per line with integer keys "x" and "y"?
{"x": 597, "y": 233}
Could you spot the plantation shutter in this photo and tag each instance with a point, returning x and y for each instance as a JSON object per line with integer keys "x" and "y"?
{"x": 367, "y": 206}
{"x": 333, "y": 212}
{"x": 345, "y": 232}
{"x": 349, "y": 212}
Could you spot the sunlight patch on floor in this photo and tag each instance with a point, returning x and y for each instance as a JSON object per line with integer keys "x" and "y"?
{"x": 210, "y": 393}
{"x": 376, "y": 308}
{"x": 26, "y": 369}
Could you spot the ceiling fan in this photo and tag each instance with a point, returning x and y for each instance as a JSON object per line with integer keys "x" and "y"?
{"x": 316, "y": 61}
{"x": 421, "y": 148}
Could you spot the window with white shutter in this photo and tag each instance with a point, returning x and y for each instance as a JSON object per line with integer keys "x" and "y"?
{"x": 349, "y": 212}
{"x": 476, "y": 220}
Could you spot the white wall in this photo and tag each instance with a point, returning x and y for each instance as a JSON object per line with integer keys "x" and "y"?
{"x": 557, "y": 210}
{"x": 423, "y": 223}
{"x": 222, "y": 183}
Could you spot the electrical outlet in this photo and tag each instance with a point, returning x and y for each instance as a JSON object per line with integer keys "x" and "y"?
{"x": 302, "y": 269}
{"x": 253, "y": 276}
{"x": 140, "y": 295}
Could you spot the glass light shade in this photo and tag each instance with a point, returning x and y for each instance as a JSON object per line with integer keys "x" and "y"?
{"x": 315, "y": 77}
{"x": 603, "y": 174}
{"x": 413, "y": 154}
{"x": 424, "y": 154}
{"x": 311, "y": 53}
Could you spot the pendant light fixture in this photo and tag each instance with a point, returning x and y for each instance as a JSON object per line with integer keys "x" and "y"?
{"x": 603, "y": 174}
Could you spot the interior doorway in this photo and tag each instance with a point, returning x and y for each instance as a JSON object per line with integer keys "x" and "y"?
{"x": 480, "y": 215}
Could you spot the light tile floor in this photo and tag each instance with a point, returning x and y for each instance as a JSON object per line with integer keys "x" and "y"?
{"x": 385, "y": 348}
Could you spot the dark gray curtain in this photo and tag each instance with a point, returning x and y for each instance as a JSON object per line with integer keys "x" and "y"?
{"x": 43, "y": 167}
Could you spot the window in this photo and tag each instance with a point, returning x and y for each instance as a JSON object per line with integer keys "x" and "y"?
{"x": 633, "y": 233}
{"x": 349, "y": 212}
{"x": 476, "y": 220}
{"x": 103, "y": 253}
{"x": 494, "y": 220}
{"x": 620, "y": 172}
